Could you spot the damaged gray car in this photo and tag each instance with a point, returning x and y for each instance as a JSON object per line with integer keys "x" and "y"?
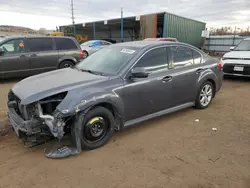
{"x": 116, "y": 87}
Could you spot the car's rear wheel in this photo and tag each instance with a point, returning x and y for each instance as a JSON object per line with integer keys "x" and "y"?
{"x": 205, "y": 95}
{"x": 66, "y": 64}
{"x": 97, "y": 127}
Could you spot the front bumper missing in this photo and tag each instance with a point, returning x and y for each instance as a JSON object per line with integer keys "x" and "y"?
{"x": 20, "y": 126}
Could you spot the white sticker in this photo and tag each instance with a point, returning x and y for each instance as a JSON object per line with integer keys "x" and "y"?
{"x": 128, "y": 51}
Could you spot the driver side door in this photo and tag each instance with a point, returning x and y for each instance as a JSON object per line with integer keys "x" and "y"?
{"x": 146, "y": 96}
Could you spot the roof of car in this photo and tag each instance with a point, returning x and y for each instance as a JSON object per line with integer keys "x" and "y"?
{"x": 142, "y": 44}
{"x": 14, "y": 37}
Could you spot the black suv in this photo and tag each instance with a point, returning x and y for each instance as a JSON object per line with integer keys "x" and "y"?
{"x": 25, "y": 56}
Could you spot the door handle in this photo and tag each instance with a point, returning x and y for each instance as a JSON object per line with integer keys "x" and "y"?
{"x": 33, "y": 55}
{"x": 198, "y": 71}
{"x": 167, "y": 79}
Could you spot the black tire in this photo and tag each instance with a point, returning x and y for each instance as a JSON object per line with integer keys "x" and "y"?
{"x": 66, "y": 64}
{"x": 86, "y": 54}
{"x": 198, "y": 101}
{"x": 86, "y": 127}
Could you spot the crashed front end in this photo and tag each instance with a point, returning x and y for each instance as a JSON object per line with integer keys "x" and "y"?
{"x": 38, "y": 121}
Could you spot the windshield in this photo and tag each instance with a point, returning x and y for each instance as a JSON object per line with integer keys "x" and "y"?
{"x": 108, "y": 60}
{"x": 243, "y": 46}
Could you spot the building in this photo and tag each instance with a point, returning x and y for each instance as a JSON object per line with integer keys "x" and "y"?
{"x": 139, "y": 27}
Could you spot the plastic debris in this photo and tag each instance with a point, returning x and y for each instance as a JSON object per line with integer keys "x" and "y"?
{"x": 197, "y": 120}
{"x": 214, "y": 129}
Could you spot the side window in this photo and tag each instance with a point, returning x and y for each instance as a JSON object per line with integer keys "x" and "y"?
{"x": 196, "y": 57}
{"x": 181, "y": 56}
{"x": 39, "y": 44}
{"x": 154, "y": 60}
{"x": 14, "y": 46}
{"x": 65, "y": 44}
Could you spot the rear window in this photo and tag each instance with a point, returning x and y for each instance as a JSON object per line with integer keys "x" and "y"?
{"x": 65, "y": 44}
{"x": 39, "y": 44}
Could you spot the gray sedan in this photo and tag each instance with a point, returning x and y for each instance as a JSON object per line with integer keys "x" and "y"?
{"x": 93, "y": 46}
{"x": 116, "y": 87}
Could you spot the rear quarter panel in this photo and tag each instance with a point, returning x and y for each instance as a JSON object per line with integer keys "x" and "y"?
{"x": 212, "y": 72}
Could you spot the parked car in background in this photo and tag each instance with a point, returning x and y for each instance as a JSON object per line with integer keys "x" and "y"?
{"x": 237, "y": 62}
{"x": 162, "y": 39}
{"x": 25, "y": 56}
{"x": 110, "y": 40}
{"x": 93, "y": 46}
{"x": 107, "y": 92}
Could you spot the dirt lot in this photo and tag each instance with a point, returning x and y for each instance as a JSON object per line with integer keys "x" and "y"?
{"x": 171, "y": 151}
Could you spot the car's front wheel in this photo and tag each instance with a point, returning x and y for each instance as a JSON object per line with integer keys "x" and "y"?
{"x": 205, "y": 95}
{"x": 97, "y": 127}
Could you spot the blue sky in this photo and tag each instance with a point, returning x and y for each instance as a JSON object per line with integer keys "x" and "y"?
{"x": 51, "y": 13}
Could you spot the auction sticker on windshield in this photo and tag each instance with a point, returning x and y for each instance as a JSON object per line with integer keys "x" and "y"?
{"x": 128, "y": 51}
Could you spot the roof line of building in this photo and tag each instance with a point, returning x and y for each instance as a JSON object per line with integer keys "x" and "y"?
{"x": 134, "y": 17}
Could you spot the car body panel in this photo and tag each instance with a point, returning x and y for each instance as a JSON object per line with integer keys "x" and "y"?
{"x": 134, "y": 99}
{"x": 234, "y": 59}
{"x": 95, "y": 46}
{"x": 30, "y": 63}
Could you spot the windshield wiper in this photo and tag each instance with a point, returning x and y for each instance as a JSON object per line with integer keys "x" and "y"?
{"x": 92, "y": 72}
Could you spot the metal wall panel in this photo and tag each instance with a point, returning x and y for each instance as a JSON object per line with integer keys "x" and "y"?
{"x": 184, "y": 29}
{"x": 148, "y": 26}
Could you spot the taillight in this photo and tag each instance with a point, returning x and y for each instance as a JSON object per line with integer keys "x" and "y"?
{"x": 220, "y": 65}
{"x": 82, "y": 54}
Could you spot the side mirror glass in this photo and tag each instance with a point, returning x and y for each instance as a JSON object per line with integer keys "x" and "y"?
{"x": 1, "y": 51}
{"x": 139, "y": 72}
{"x": 232, "y": 48}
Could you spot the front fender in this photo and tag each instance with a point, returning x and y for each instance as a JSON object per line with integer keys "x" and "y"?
{"x": 72, "y": 104}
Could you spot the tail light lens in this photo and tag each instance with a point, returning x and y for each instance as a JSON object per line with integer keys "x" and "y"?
{"x": 82, "y": 54}
{"x": 220, "y": 65}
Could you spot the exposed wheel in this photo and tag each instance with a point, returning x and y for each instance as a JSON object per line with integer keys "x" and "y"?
{"x": 86, "y": 54}
{"x": 66, "y": 64}
{"x": 205, "y": 95}
{"x": 97, "y": 127}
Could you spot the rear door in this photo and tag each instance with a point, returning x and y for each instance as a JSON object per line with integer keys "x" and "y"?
{"x": 67, "y": 48}
{"x": 15, "y": 60}
{"x": 43, "y": 56}
{"x": 185, "y": 67}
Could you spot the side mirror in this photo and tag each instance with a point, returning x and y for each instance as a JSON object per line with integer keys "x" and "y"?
{"x": 1, "y": 51}
{"x": 232, "y": 48}
{"x": 139, "y": 72}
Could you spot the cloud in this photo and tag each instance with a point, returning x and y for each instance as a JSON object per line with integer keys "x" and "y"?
{"x": 51, "y": 13}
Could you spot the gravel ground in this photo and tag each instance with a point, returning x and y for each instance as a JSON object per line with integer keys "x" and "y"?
{"x": 170, "y": 151}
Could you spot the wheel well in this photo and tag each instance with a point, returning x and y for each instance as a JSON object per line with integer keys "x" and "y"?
{"x": 114, "y": 112}
{"x": 214, "y": 85}
{"x": 66, "y": 60}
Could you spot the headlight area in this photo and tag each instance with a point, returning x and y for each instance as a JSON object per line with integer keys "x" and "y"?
{"x": 46, "y": 110}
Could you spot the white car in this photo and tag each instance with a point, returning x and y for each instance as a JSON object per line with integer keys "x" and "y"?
{"x": 237, "y": 62}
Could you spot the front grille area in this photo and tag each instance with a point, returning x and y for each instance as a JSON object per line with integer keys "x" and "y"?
{"x": 229, "y": 68}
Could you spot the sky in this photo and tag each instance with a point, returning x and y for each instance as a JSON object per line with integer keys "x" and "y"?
{"x": 36, "y": 14}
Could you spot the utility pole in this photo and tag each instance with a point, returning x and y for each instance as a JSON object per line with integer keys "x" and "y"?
{"x": 121, "y": 25}
{"x": 72, "y": 16}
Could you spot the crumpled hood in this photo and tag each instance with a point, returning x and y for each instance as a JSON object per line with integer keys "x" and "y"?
{"x": 43, "y": 85}
{"x": 237, "y": 54}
